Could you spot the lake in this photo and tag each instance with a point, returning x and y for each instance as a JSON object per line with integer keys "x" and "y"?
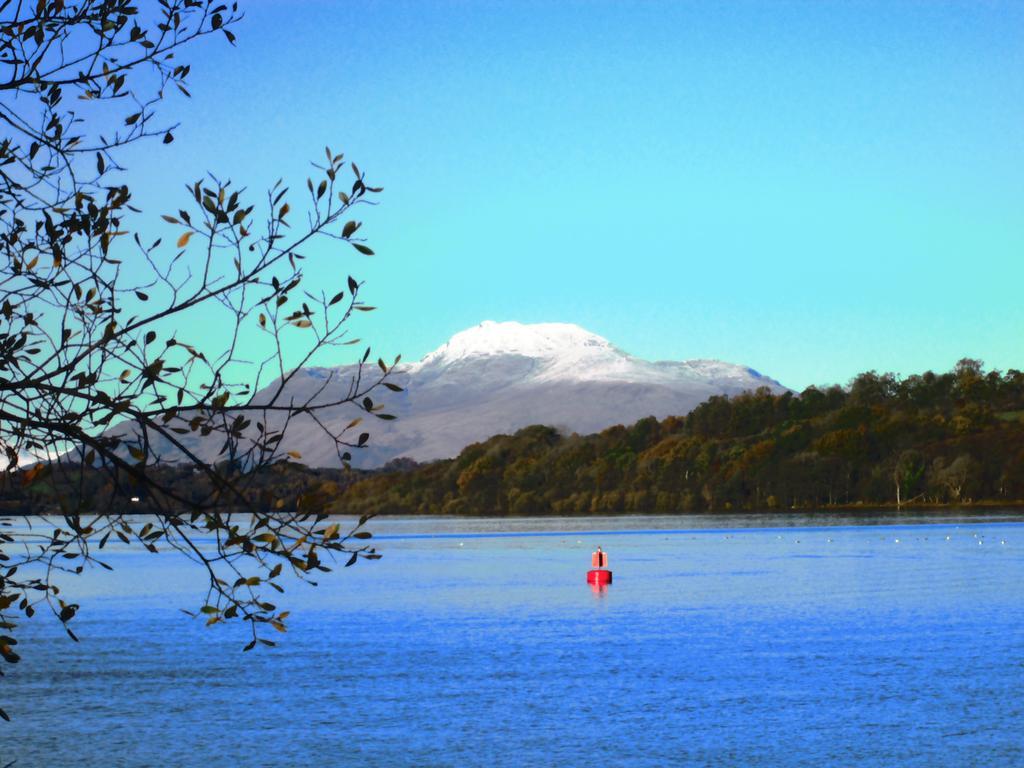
{"x": 739, "y": 640}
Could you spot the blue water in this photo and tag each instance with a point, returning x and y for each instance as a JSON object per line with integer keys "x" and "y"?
{"x": 796, "y": 644}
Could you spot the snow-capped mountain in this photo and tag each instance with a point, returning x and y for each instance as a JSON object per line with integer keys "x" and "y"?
{"x": 499, "y": 377}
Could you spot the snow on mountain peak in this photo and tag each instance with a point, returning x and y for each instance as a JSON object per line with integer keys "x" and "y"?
{"x": 511, "y": 351}
{"x": 537, "y": 340}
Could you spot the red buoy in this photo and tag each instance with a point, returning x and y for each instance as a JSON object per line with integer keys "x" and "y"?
{"x": 600, "y": 575}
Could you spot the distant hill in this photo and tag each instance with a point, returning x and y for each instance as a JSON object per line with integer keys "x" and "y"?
{"x": 497, "y": 378}
{"x": 955, "y": 438}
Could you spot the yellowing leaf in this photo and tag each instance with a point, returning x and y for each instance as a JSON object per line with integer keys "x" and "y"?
{"x": 183, "y": 240}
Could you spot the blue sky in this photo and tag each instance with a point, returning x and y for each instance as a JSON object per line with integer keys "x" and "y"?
{"x": 812, "y": 189}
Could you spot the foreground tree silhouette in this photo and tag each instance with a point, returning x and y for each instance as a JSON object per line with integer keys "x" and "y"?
{"x": 98, "y": 388}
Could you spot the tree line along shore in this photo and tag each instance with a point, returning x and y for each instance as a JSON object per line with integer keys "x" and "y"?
{"x": 951, "y": 439}
{"x": 931, "y": 440}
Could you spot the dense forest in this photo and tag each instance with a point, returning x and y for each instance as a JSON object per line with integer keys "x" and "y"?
{"x": 73, "y": 489}
{"x": 953, "y": 438}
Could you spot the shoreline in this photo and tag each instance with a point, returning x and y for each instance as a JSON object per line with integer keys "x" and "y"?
{"x": 851, "y": 510}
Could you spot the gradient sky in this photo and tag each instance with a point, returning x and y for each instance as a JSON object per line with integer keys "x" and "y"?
{"x": 813, "y": 189}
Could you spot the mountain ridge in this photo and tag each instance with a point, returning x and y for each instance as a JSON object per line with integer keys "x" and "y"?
{"x": 498, "y": 377}
{"x": 494, "y": 378}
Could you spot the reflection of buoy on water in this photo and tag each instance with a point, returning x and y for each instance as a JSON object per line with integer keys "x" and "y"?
{"x": 599, "y": 575}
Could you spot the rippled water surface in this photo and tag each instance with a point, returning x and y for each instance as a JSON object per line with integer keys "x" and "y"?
{"x": 723, "y": 641}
